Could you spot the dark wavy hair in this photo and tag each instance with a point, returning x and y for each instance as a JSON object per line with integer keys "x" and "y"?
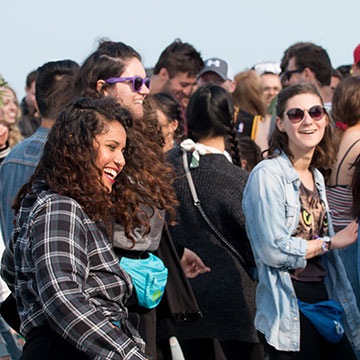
{"x": 210, "y": 113}
{"x": 109, "y": 60}
{"x": 68, "y": 164}
{"x": 54, "y": 86}
{"x": 154, "y": 172}
{"x": 180, "y": 57}
{"x": 324, "y": 154}
{"x": 171, "y": 109}
{"x": 316, "y": 59}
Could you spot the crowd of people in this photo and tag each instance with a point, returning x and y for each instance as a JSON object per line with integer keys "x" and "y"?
{"x": 183, "y": 203}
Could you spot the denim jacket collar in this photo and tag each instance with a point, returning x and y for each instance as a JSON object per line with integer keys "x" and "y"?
{"x": 291, "y": 174}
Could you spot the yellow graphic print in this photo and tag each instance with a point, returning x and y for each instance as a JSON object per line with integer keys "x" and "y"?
{"x": 306, "y": 217}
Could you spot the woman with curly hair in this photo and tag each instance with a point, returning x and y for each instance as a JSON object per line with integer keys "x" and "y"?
{"x": 9, "y": 115}
{"x": 301, "y": 277}
{"x": 70, "y": 289}
{"x": 115, "y": 70}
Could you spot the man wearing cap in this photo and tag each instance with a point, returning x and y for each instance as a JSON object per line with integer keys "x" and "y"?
{"x": 355, "y": 67}
{"x": 217, "y": 72}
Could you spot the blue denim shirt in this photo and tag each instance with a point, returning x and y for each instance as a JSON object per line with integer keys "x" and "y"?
{"x": 271, "y": 204}
{"x": 15, "y": 171}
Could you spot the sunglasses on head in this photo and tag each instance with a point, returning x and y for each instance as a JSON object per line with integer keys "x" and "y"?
{"x": 316, "y": 112}
{"x": 137, "y": 82}
{"x": 288, "y": 73}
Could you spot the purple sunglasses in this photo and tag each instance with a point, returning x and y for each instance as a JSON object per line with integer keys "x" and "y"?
{"x": 137, "y": 82}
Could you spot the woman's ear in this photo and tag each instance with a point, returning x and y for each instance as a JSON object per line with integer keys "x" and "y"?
{"x": 100, "y": 88}
{"x": 173, "y": 125}
{"x": 279, "y": 124}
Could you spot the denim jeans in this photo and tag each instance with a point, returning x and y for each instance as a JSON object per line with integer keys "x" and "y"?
{"x": 8, "y": 345}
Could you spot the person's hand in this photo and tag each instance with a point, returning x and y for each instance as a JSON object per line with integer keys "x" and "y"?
{"x": 192, "y": 264}
{"x": 345, "y": 237}
{"x": 4, "y": 133}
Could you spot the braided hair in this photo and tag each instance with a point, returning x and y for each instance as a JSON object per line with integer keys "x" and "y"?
{"x": 210, "y": 113}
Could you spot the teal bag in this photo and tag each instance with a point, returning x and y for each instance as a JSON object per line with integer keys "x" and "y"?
{"x": 149, "y": 277}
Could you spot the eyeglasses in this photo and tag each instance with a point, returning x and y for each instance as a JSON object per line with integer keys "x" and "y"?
{"x": 287, "y": 74}
{"x": 137, "y": 82}
{"x": 316, "y": 112}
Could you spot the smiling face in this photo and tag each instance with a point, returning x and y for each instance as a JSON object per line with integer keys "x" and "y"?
{"x": 10, "y": 107}
{"x": 305, "y": 135}
{"x": 110, "y": 145}
{"x": 180, "y": 86}
{"x": 123, "y": 91}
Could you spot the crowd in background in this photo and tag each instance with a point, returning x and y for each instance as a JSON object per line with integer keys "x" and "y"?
{"x": 242, "y": 188}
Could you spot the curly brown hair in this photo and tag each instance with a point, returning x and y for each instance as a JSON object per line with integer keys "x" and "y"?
{"x": 68, "y": 165}
{"x": 325, "y": 153}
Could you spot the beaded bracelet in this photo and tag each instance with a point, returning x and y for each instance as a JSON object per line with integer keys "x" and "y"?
{"x": 324, "y": 244}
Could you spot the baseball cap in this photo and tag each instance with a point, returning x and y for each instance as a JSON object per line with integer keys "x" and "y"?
{"x": 218, "y": 66}
{"x": 267, "y": 67}
{"x": 357, "y": 54}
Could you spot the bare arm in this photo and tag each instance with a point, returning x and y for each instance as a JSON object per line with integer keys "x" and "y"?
{"x": 342, "y": 239}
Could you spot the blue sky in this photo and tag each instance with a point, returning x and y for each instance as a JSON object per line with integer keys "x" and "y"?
{"x": 241, "y": 32}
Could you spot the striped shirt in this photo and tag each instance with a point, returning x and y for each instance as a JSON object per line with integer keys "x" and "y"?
{"x": 340, "y": 201}
{"x": 64, "y": 273}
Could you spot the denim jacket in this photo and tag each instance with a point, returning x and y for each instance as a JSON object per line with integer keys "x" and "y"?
{"x": 271, "y": 203}
{"x": 15, "y": 171}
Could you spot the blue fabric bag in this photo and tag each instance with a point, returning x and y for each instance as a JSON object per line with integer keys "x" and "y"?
{"x": 149, "y": 277}
{"x": 326, "y": 317}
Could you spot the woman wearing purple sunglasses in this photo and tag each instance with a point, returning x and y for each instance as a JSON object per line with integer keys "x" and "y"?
{"x": 115, "y": 69}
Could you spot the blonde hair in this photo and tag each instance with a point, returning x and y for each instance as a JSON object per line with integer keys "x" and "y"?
{"x": 248, "y": 95}
{"x": 14, "y": 131}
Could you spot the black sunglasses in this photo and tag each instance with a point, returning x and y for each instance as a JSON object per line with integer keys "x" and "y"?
{"x": 316, "y": 112}
{"x": 288, "y": 73}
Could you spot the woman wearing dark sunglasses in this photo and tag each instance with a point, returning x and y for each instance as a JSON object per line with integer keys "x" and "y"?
{"x": 291, "y": 234}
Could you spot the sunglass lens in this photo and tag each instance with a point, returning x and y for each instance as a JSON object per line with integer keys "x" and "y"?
{"x": 316, "y": 112}
{"x": 147, "y": 83}
{"x": 295, "y": 115}
{"x": 138, "y": 83}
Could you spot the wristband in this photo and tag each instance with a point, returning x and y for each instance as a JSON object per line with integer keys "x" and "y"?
{"x": 325, "y": 242}
{"x": 324, "y": 246}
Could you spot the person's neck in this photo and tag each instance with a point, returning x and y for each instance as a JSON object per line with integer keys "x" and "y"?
{"x": 302, "y": 166}
{"x": 217, "y": 142}
{"x": 47, "y": 123}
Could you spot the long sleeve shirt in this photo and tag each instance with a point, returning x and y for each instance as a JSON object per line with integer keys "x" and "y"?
{"x": 63, "y": 271}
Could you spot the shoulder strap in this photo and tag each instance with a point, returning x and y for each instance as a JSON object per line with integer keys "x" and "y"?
{"x": 255, "y": 127}
{"x": 343, "y": 158}
{"x": 220, "y": 236}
